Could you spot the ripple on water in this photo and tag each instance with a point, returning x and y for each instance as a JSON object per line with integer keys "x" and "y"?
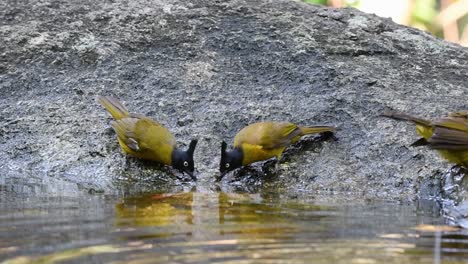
{"x": 223, "y": 228}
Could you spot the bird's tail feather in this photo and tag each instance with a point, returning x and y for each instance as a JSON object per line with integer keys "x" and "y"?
{"x": 406, "y": 117}
{"x": 113, "y": 106}
{"x": 316, "y": 129}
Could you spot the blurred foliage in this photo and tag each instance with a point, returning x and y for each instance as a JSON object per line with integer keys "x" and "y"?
{"x": 444, "y": 18}
{"x": 424, "y": 12}
{"x": 317, "y": 2}
{"x": 423, "y": 15}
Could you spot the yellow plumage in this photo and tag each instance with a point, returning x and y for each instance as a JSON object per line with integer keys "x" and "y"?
{"x": 138, "y": 135}
{"x": 448, "y": 135}
{"x": 144, "y": 138}
{"x": 264, "y": 140}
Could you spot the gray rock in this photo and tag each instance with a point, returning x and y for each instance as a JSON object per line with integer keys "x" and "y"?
{"x": 205, "y": 69}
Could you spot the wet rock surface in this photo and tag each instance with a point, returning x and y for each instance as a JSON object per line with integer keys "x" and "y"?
{"x": 205, "y": 69}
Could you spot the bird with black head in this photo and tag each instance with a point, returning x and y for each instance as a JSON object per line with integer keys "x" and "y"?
{"x": 262, "y": 141}
{"x": 142, "y": 137}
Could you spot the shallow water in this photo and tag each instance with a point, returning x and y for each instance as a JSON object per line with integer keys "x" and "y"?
{"x": 197, "y": 227}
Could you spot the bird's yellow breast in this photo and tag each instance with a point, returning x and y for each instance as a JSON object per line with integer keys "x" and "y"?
{"x": 253, "y": 153}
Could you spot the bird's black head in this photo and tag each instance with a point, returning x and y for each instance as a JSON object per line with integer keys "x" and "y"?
{"x": 230, "y": 160}
{"x": 183, "y": 160}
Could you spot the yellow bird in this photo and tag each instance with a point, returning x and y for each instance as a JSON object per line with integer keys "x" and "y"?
{"x": 262, "y": 141}
{"x": 448, "y": 135}
{"x": 144, "y": 138}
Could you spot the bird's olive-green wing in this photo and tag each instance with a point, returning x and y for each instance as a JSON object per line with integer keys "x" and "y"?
{"x": 268, "y": 135}
{"x": 141, "y": 134}
{"x": 456, "y": 123}
{"x": 460, "y": 114}
{"x": 281, "y": 136}
{"x": 450, "y": 133}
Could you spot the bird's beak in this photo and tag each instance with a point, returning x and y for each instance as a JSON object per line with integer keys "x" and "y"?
{"x": 218, "y": 179}
{"x": 191, "y": 175}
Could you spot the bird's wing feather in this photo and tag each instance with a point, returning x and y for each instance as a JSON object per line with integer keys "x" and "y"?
{"x": 457, "y": 123}
{"x": 281, "y": 135}
{"x": 460, "y": 114}
{"x": 141, "y": 134}
{"x": 153, "y": 134}
{"x": 125, "y": 129}
{"x": 451, "y": 139}
{"x": 267, "y": 135}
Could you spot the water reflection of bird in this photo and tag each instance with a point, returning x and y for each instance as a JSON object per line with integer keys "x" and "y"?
{"x": 262, "y": 141}
{"x": 448, "y": 135}
{"x": 155, "y": 210}
{"x": 144, "y": 138}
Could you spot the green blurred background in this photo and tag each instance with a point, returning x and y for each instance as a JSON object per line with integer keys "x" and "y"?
{"x": 447, "y": 19}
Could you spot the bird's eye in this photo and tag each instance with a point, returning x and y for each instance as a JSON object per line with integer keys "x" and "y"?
{"x": 227, "y": 165}
{"x": 185, "y": 163}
